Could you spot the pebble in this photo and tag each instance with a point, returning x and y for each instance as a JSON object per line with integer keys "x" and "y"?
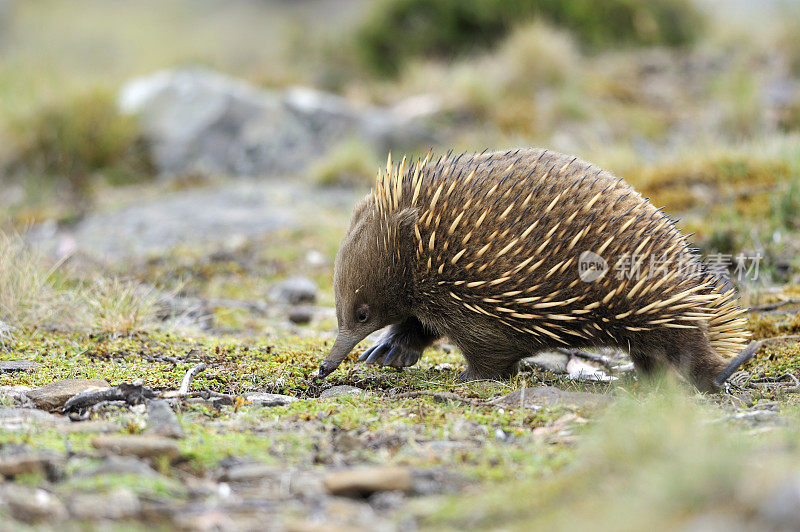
{"x": 94, "y": 426}
{"x": 118, "y": 465}
{"x": 269, "y": 399}
{"x": 581, "y": 370}
{"x": 10, "y": 366}
{"x": 15, "y": 419}
{"x": 53, "y": 396}
{"x": 33, "y": 506}
{"x": 119, "y": 504}
{"x": 143, "y": 446}
{"x": 249, "y": 472}
{"x": 364, "y": 481}
{"x": 301, "y": 315}
{"x": 15, "y": 394}
{"x": 162, "y": 421}
{"x": 552, "y": 361}
{"x": 550, "y": 395}
{"x": 23, "y": 463}
{"x": 295, "y": 291}
{"x": 344, "y": 389}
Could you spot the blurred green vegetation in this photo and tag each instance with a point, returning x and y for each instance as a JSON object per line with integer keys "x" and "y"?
{"x": 78, "y": 139}
{"x": 351, "y": 163}
{"x": 399, "y": 30}
{"x": 653, "y": 461}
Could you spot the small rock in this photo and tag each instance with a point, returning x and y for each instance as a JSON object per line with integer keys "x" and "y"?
{"x": 118, "y": 504}
{"x": 10, "y": 366}
{"x": 118, "y": 465}
{"x": 551, "y": 395}
{"x": 14, "y": 419}
{"x": 269, "y": 399}
{"x": 552, "y": 361}
{"x": 55, "y": 394}
{"x": 364, "y": 481}
{"x": 295, "y": 291}
{"x": 94, "y": 426}
{"x": 301, "y": 315}
{"x": 249, "y": 472}
{"x": 162, "y": 421}
{"x": 581, "y": 370}
{"x": 143, "y": 446}
{"x": 32, "y": 506}
{"x": 444, "y": 366}
{"x": 24, "y": 462}
{"x": 15, "y": 394}
{"x": 344, "y": 389}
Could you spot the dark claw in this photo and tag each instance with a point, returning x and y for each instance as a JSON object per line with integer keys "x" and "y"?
{"x": 377, "y": 353}
{"x": 392, "y": 355}
{"x": 366, "y": 353}
{"x": 324, "y": 370}
{"x": 410, "y": 358}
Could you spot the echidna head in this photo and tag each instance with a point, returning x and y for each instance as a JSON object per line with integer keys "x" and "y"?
{"x": 367, "y": 283}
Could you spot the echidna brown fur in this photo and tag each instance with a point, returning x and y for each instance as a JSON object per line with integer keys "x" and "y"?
{"x": 490, "y": 250}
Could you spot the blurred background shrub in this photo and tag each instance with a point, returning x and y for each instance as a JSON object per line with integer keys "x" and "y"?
{"x": 399, "y": 30}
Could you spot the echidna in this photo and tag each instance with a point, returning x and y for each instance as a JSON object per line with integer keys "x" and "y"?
{"x": 511, "y": 253}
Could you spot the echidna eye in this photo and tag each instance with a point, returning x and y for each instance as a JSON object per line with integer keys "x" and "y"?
{"x": 362, "y": 314}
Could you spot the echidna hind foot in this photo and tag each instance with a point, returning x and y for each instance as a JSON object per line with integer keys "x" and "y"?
{"x": 689, "y": 351}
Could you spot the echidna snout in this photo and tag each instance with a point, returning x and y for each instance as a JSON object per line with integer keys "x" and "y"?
{"x": 486, "y": 250}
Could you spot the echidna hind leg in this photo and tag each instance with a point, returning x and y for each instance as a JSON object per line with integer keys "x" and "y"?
{"x": 401, "y": 346}
{"x": 692, "y": 354}
{"x": 482, "y": 365}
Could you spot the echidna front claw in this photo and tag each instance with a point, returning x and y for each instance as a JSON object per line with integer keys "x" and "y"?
{"x": 388, "y": 353}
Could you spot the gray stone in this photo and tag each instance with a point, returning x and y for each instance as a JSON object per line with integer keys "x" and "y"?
{"x": 118, "y": 504}
{"x": 343, "y": 389}
{"x": 118, "y": 465}
{"x": 143, "y": 446}
{"x": 301, "y": 315}
{"x": 250, "y": 472}
{"x": 295, "y": 291}
{"x": 269, "y": 399}
{"x": 550, "y": 395}
{"x": 14, "y": 419}
{"x": 23, "y": 462}
{"x": 581, "y": 370}
{"x": 10, "y": 366}
{"x": 55, "y": 394}
{"x": 162, "y": 421}
{"x": 15, "y": 394}
{"x": 93, "y": 426}
{"x": 552, "y": 361}
{"x": 35, "y": 506}
{"x": 199, "y": 121}
{"x": 364, "y": 481}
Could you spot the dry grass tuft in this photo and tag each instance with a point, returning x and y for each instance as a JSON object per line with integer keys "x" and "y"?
{"x": 33, "y": 296}
{"x": 119, "y": 306}
{"x": 29, "y": 297}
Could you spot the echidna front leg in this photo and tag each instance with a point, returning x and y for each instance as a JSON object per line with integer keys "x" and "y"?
{"x": 401, "y": 346}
